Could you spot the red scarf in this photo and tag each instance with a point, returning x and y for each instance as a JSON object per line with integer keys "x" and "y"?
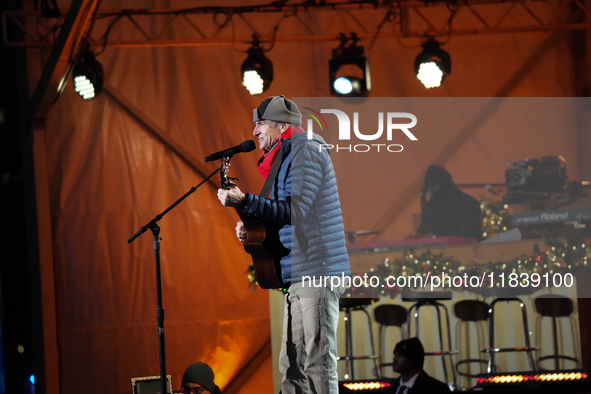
{"x": 266, "y": 161}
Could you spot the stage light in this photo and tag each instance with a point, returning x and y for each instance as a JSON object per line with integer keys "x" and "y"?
{"x": 88, "y": 76}
{"x": 257, "y": 69}
{"x": 364, "y": 386}
{"x": 344, "y": 55}
{"x": 432, "y": 65}
{"x": 343, "y": 85}
{"x": 568, "y": 378}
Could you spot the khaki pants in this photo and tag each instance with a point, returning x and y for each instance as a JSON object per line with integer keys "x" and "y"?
{"x": 308, "y": 358}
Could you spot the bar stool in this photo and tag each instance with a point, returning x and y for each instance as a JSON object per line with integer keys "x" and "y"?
{"x": 349, "y": 305}
{"x": 555, "y": 307}
{"x": 471, "y": 311}
{"x": 492, "y": 350}
{"x": 389, "y": 316}
{"x": 433, "y": 300}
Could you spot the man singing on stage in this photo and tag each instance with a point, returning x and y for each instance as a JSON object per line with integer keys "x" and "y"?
{"x": 304, "y": 203}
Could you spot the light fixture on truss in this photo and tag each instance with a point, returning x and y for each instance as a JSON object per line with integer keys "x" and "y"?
{"x": 257, "y": 69}
{"x": 432, "y": 65}
{"x": 343, "y": 83}
{"x": 88, "y": 76}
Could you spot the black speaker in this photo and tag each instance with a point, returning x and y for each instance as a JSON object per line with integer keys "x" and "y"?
{"x": 150, "y": 385}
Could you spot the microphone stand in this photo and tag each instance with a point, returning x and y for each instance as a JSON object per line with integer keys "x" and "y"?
{"x": 160, "y": 310}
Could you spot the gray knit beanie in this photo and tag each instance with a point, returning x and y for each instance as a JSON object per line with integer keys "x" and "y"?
{"x": 278, "y": 109}
{"x": 201, "y": 374}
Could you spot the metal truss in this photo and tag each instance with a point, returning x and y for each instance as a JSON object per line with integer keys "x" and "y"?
{"x": 318, "y": 20}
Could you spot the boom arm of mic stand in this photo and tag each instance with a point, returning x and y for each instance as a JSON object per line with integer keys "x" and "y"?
{"x": 159, "y": 216}
{"x": 160, "y": 310}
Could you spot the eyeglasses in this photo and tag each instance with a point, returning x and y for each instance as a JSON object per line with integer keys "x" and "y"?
{"x": 193, "y": 390}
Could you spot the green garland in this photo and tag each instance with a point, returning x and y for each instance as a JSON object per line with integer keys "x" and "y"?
{"x": 515, "y": 274}
{"x": 563, "y": 258}
{"x": 495, "y": 218}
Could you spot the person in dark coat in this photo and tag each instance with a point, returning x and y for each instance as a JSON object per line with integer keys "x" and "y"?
{"x": 409, "y": 356}
{"x": 446, "y": 210}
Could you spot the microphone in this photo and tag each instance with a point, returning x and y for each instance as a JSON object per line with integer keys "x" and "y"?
{"x": 246, "y": 146}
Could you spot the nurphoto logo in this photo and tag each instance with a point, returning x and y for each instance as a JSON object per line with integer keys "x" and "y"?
{"x": 395, "y": 127}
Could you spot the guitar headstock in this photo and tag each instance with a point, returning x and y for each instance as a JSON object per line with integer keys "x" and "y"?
{"x": 225, "y": 180}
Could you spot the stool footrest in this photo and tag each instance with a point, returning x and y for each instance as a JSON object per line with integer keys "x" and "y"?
{"x": 441, "y": 353}
{"x": 469, "y": 361}
{"x": 510, "y": 349}
{"x": 358, "y": 358}
{"x": 554, "y": 357}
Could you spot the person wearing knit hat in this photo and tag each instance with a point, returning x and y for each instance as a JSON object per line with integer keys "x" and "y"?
{"x": 303, "y": 213}
{"x": 436, "y": 176}
{"x": 412, "y": 349}
{"x": 199, "y": 379}
{"x": 445, "y": 209}
{"x": 409, "y": 356}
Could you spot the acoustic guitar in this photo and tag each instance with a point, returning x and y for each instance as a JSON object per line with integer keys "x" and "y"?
{"x": 262, "y": 240}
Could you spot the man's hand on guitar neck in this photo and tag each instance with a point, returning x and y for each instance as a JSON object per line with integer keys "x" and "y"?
{"x": 241, "y": 232}
{"x": 232, "y": 197}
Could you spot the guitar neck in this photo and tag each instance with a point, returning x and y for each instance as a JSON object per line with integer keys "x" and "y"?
{"x": 243, "y": 216}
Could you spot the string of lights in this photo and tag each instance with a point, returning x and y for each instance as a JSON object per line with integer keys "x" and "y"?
{"x": 561, "y": 258}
